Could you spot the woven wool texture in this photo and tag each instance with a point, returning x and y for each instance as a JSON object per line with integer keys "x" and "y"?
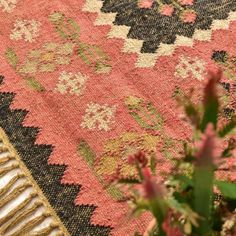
{"x": 85, "y": 83}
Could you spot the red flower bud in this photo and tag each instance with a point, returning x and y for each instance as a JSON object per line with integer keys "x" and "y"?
{"x": 150, "y": 187}
{"x": 139, "y": 157}
{"x": 207, "y": 147}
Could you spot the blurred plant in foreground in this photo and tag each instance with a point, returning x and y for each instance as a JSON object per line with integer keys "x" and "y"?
{"x": 194, "y": 199}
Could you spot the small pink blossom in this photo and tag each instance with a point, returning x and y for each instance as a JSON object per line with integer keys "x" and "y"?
{"x": 151, "y": 189}
{"x": 167, "y": 10}
{"x": 189, "y": 16}
{"x": 138, "y": 157}
{"x": 145, "y": 3}
{"x": 208, "y": 150}
{"x": 186, "y": 2}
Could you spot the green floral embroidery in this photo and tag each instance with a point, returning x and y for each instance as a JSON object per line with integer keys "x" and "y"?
{"x": 35, "y": 84}
{"x": 66, "y": 27}
{"x": 114, "y": 158}
{"x": 13, "y": 60}
{"x": 113, "y": 162}
{"x": 52, "y": 55}
{"x": 144, "y": 113}
{"x": 11, "y": 57}
{"x": 47, "y": 58}
{"x": 86, "y": 152}
{"x": 90, "y": 54}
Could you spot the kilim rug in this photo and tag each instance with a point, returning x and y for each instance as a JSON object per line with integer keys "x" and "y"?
{"x": 84, "y": 83}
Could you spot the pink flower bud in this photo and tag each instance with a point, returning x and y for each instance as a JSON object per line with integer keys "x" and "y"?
{"x": 138, "y": 157}
{"x": 131, "y": 160}
{"x": 146, "y": 173}
{"x": 207, "y": 147}
{"x": 141, "y": 158}
{"x": 150, "y": 188}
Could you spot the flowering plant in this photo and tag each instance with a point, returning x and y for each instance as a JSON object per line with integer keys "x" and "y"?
{"x": 195, "y": 199}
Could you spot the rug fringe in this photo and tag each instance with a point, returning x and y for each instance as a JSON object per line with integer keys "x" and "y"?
{"x": 17, "y": 209}
{"x": 6, "y": 159}
{"x": 21, "y": 217}
{"x": 16, "y": 192}
{"x": 24, "y": 217}
{"x": 26, "y": 228}
{"x": 46, "y": 231}
{"x": 7, "y": 169}
{"x": 9, "y": 185}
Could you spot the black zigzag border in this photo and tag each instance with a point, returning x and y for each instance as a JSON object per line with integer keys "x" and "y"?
{"x": 61, "y": 197}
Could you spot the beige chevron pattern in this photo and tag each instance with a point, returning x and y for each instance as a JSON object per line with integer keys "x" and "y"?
{"x": 135, "y": 45}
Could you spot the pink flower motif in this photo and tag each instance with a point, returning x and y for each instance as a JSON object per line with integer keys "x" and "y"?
{"x": 167, "y": 10}
{"x": 186, "y": 2}
{"x": 145, "y": 3}
{"x": 188, "y": 16}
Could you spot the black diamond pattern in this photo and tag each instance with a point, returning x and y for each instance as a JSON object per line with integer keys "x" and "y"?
{"x": 152, "y": 27}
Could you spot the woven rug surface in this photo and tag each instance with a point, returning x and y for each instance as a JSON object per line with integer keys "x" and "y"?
{"x": 85, "y": 83}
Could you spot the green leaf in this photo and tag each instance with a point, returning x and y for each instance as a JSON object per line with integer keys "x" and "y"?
{"x": 35, "y": 84}
{"x": 184, "y": 181}
{"x": 158, "y": 207}
{"x": 192, "y": 113}
{"x": 227, "y": 189}
{"x": 141, "y": 206}
{"x": 11, "y": 57}
{"x": 211, "y": 102}
{"x": 228, "y": 127}
{"x": 210, "y": 115}
{"x": 203, "y": 195}
{"x": 86, "y": 152}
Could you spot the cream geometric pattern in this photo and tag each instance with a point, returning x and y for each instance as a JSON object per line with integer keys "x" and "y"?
{"x": 134, "y": 45}
{"x": 190, "y": 67}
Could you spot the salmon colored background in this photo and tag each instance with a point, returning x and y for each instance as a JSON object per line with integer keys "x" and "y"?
{"x": 59, "y": 116}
